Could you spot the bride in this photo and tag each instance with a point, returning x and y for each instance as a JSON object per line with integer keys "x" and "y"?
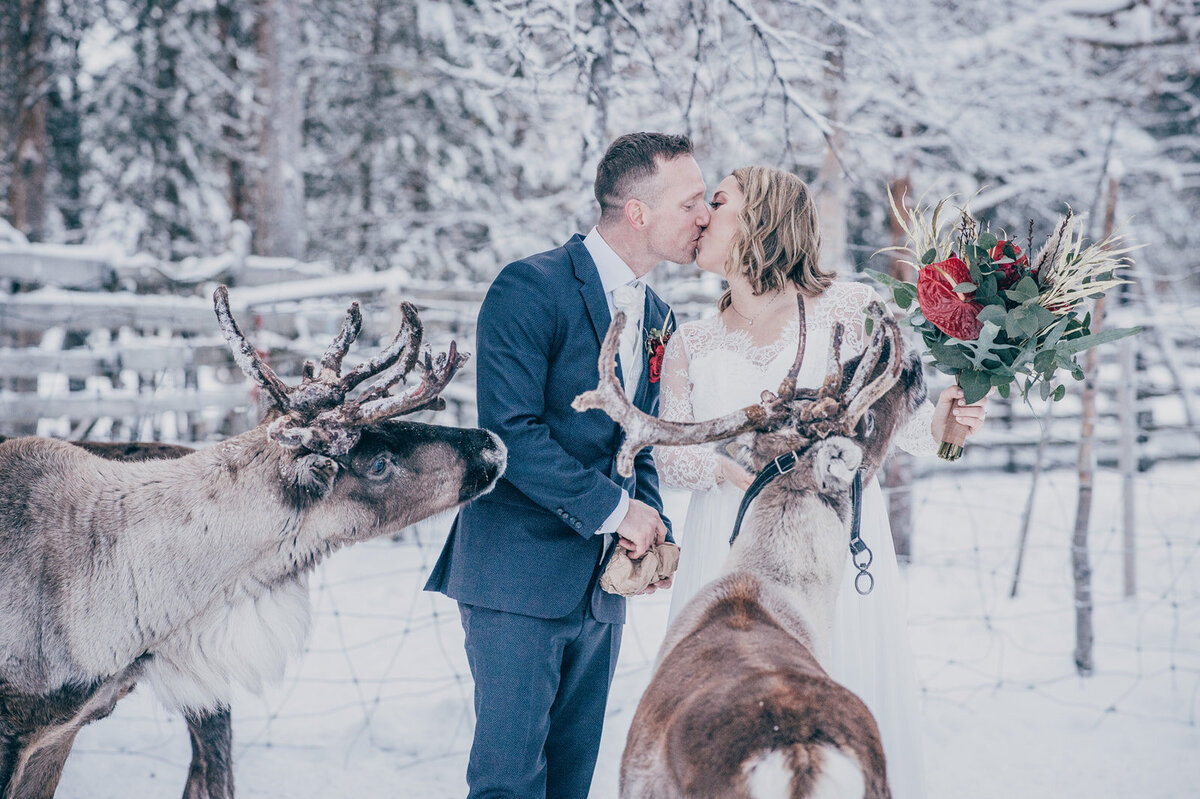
{"x": 763, "y": 240}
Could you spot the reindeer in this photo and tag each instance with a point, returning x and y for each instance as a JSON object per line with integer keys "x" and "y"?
{"x": 191, "y": 572}
{"x": 740, "y": 704}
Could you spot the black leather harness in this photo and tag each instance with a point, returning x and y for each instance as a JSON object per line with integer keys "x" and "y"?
{"x": 863, "y": 582}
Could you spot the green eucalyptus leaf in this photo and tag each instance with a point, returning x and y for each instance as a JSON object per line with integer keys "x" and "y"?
{"x": 1044, "y": 360}
{"x": 993, "y": 314}
{"x": 949, "y": 355}
{"x": 1044, "y": 318}
{"x": 1013, "y": 322}
{"x": 1081, "y": 343}
{"x": 1060, "y": 392}
{"x": 929, "y": 255}
{"x": 1025, "y": 289}
{"x": 975, "y": 385}
{"x": 987, "y": 241}
{"x": 887, "y": 280}
{"x": 1029, "y": 324}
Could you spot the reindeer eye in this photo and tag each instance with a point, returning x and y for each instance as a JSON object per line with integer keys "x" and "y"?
{"x": 379, "y": 466}
{"x": 867, "y": 424}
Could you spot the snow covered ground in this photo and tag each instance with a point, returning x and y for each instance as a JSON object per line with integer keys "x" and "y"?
{"x": 380, "y": 705}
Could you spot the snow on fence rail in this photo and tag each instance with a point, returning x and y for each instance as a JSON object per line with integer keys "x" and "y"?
{"x": 105, "y": 345}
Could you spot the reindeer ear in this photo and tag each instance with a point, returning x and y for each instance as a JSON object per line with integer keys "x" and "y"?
{"x": 314, "y": 474}
{"x": 835, "y": 462}
{"x": 741, "y": 450}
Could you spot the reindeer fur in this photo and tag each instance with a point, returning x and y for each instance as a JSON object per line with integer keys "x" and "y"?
{"x": 740, "y": 704}
{"x": 189, "y": 573}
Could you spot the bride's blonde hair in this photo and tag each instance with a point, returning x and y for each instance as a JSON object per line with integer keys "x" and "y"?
{"x": 778, "y": 240}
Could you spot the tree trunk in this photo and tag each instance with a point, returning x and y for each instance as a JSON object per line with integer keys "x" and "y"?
{"x": 833, "y": 188}
{"x": 372, "y": 135}
{"x": 235, "y": 168}
{"x": 280, "y": 197}
{"x": 1080, "y": 559}
{"x": 27, "y": 191}
{"x": 899, "y": 471}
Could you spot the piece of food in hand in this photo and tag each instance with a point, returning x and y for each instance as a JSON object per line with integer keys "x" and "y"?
{"x": 628, "y": 577}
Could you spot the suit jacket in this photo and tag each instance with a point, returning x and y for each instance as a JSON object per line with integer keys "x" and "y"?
{"x": 529, "y": 547}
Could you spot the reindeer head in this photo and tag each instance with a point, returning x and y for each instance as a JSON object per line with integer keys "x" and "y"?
{"x": 861, "y": 403}
{"x": 352, "y": 452}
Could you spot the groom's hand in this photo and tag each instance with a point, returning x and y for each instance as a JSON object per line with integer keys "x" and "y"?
{"x": 641, "y": 528}
{"x": 661, "y": 585}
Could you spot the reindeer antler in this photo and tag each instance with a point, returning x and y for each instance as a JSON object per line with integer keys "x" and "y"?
{"x": 316, "y": 414}
{"x": 642, "y": 429}
{"x": 816, "y": 413}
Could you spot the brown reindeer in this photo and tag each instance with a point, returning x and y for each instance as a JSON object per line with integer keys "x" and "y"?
{"x": 190, "y": 572}
{"x": 740, "y": 704}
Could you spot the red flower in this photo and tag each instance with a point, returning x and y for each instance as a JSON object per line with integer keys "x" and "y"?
{"x": 952, "y": 313}
{"x": 655, "y": 364}
{"x": 1011, "y": 273}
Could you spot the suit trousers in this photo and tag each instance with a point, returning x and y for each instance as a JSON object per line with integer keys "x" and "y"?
{"x": 540, "y": 690}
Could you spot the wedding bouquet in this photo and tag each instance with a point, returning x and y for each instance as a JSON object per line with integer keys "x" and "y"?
{"x": 989, "y": 316}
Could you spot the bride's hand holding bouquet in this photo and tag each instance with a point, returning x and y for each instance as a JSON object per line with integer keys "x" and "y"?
{"x": 989, "y": 316}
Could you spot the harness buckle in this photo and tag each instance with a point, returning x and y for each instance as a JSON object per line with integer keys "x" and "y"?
{"x": 790, "y": 466}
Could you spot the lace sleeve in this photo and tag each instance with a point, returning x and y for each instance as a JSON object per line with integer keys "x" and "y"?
{"x": 848, "y": 304}
{"x": 914, "y": 436}
{"x": 849, "y": 308}
{"x": 694, "y": 466}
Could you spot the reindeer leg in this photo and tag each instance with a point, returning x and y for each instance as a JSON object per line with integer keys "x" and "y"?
{"x": 37, "y": 732}
{"x": 211, "y": 772}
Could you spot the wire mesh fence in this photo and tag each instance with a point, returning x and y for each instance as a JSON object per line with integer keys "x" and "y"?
{"x": 380, "y": 704}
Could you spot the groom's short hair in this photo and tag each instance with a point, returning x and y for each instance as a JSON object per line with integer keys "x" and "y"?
{"x": 631, "y": 159}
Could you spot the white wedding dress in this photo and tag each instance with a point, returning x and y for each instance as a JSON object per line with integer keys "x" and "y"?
{"x": 724, "y": 370}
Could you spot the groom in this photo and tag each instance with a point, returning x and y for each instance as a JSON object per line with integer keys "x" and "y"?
{"x": 524, "y": 561}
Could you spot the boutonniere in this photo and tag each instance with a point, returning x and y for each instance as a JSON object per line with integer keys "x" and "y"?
{"x": 656, "y": 345}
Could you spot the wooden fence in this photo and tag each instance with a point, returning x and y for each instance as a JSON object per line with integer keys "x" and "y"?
{"x": 101, "y": 346}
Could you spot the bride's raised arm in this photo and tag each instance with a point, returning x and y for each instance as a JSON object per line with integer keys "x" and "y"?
{"x": 695, "y": 466}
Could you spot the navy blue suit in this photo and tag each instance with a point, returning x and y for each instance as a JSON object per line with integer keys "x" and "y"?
{"x": 523, "y": 560}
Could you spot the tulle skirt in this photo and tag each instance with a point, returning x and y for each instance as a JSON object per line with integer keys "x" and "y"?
{"x": 871, "y": 653}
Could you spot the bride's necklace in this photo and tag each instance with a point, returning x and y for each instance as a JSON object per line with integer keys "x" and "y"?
{"x": 751, "y": 319}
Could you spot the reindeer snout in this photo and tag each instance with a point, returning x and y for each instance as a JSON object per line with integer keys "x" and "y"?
{"x": 482, "y": 477}
{"x": 497, "y": 454}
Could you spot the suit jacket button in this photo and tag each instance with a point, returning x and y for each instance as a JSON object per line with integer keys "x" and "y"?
{"x": 578, "y": 524}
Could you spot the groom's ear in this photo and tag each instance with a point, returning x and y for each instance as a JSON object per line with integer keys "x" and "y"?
{"x": 635, "y": 213}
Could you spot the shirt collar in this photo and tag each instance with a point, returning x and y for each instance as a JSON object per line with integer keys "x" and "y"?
{"x": 613, "y": 271}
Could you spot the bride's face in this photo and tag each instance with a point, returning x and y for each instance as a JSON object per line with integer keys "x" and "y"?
{"x": 712, "y": 250}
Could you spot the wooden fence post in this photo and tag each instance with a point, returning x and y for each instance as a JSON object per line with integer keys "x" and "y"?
{"x": 1127, "y": 460}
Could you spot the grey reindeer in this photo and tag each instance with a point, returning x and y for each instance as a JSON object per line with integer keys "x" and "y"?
{"x": 740, "y": 704}
{"x": 190, "y": 572}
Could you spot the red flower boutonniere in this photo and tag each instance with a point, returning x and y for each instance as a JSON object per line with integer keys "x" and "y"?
{"x": 656, "y": 345}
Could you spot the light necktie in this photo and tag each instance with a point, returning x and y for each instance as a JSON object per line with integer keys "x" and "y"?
{"x": 631, "y": 298}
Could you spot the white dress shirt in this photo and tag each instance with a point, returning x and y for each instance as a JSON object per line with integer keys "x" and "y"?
{"x": 615, "y": 272}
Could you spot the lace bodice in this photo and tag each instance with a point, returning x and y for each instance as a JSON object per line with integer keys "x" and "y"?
{"x": 710, "y": 370}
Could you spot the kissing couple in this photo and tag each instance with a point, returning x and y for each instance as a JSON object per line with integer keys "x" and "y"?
{"x": 524, "y": 561}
